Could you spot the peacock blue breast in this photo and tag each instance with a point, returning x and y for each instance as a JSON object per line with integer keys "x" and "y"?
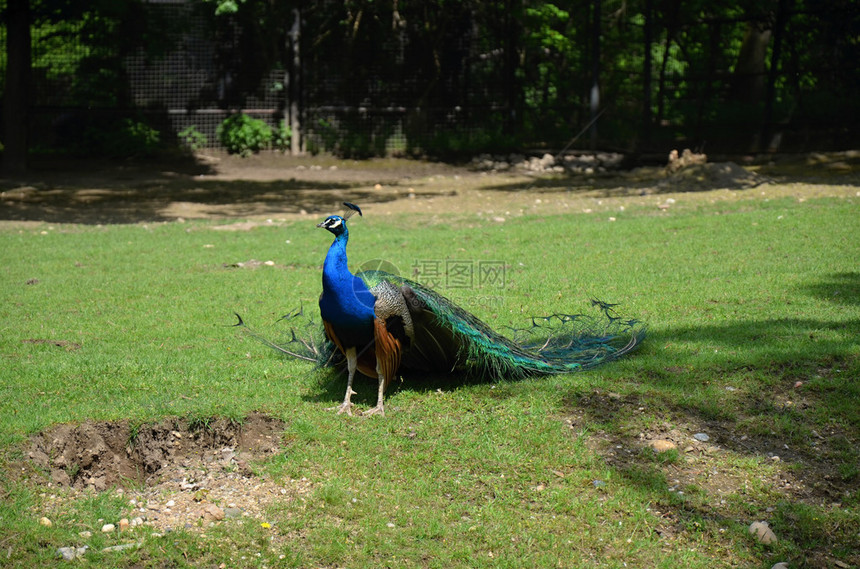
{"x": 346, "y": 302}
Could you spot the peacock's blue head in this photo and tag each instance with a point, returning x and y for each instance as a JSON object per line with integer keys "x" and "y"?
{"x": 334, "y": 223}
{"x": 337, "y": 223}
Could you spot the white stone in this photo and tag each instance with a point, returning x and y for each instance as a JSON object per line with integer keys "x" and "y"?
{"x": 762, "y": 533}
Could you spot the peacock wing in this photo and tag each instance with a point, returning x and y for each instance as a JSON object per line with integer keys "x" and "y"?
{"x": 390, "y": 307}
{"x": 432, "y": 345}
{"x": 447, "y": 337}
{"x": 435, "y": 347}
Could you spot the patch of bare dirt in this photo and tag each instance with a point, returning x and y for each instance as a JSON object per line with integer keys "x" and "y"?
{"x": 105, "y": 454}
{"x": 175, "y": 474}
{"x": 707, "y": 468}
{"x": 274, "y": 186}
{"x": 700, "y": 466}
{"x": 707, "y": 450}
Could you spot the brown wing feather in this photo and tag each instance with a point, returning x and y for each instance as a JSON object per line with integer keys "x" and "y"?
{"x": 366, "y": 357}
{"x": 388, "y": 350}
{"x": 329, "y": 332}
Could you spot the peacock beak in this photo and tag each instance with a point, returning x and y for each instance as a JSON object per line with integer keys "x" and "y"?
{"x": 321, "y": 224}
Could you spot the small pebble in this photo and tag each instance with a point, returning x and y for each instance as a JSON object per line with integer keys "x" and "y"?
{"x": 67, "y": 553}
{"x": 72, "y": 553}
{"x": 108, "y": 528}
{"x": 213, "y": 512}
{"x": 703, "y": 437}
{"x": 662, "y": 445}
{"x": 86, "y": 534}
{"x": 123, "y": 524}
{"x": 45, "y": 522}
{"x": 780, "y": 565}
{"x": 762, "y": 533}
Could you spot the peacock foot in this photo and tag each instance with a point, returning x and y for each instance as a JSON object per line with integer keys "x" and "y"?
{"x": 342, "y": 408}
{"x": 378, "y": 410}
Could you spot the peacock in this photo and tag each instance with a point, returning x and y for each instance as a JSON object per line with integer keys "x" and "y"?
{"x": 385, "y": 325}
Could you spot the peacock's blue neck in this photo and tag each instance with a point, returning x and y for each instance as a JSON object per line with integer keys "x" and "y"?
{"x": 335, "y": 269}
{"x": 346, "y": 300}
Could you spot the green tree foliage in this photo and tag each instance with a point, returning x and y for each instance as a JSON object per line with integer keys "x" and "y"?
{"x": 467, "y": 76}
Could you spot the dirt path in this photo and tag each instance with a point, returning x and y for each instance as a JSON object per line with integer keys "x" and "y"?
{"x": 273, "y": 186}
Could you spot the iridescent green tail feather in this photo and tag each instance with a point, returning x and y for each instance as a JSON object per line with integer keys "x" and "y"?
{"x": 450, "y": 339}
{"x": 552, "y": 344}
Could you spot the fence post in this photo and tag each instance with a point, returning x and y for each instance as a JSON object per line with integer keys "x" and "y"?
{"x": 295, "y": 87}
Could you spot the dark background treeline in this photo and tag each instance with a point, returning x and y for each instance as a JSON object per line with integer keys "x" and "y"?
{"x": 439, "y": 78}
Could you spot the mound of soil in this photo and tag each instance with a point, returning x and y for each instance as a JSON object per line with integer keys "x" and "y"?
{"x": 105, "y": 454}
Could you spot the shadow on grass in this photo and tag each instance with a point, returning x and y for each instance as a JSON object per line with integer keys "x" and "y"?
{"x": 778, "y": 402}
{"x": 840, "y": 288}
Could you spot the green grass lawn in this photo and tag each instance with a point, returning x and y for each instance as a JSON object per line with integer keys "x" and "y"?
{"x": 753, "y": 312}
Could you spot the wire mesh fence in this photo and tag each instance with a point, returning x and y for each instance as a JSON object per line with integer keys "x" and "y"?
{"x": 469, "y": 79}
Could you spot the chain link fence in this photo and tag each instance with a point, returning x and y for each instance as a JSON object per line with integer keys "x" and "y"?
{"x": 172, "y": 70}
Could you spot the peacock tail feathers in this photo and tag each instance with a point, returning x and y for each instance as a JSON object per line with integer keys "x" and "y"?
{"x": 552, "y": 344}
{"x": 307, "y": 339}
{"x": 451, "y": 339}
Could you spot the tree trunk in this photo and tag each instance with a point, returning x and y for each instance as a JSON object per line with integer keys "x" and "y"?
{"x": 16, "y": 100}
{"x": 767, "y": 128}
{"x": 646, "y": 76}
{"x": 512, "y": 91}
{"x": 671, "y": 28}
{"x": 749, "y": 77}
{"x": 594, "y": 94}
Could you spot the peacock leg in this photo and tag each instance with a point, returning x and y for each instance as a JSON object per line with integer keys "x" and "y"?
{"x": 351, "y": 363}
{"x": 378, "y": 410}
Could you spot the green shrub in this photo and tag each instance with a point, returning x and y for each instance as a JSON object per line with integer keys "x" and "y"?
{"x": 282, "y": 136}
{"x": 243, "y": 135}
{"x": 192, "y": 138}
